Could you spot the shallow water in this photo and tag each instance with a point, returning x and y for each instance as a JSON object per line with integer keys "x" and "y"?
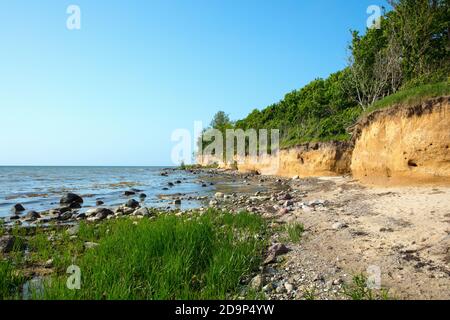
{"x": 40, "y": 188}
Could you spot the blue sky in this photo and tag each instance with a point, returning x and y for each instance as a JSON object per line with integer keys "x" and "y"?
{"x": 113, "y": 92}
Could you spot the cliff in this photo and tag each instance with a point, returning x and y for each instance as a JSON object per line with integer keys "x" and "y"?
{"x": 400, "y": 144}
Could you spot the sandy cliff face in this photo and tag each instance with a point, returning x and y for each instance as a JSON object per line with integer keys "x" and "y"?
{"x": 309, "y": 160}
{"x": 398, "y": 145}
{"x": 404, "y": 144}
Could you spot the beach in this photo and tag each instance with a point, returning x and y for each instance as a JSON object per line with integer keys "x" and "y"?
{"x": 322, "y": 233}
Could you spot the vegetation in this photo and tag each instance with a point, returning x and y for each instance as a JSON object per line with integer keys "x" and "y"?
{"x": 195, "y": 257}
{"x": 295, "y": 231}
{"x": 10, "y": 281}
{"x": 405, "y": 60}
{"x": 359, "y": 290}
{"x": 413, "y": 96}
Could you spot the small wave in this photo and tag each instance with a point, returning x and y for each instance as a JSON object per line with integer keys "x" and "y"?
{"x": 27, "y": 195}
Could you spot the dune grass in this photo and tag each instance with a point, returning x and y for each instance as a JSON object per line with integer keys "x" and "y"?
{"x": 176, "y": 258}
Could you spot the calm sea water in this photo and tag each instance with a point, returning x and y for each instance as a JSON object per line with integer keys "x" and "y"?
{"x": 40, "y": 188}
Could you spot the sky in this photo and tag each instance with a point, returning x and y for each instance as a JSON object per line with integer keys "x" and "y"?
{"x": 113, "y": 92}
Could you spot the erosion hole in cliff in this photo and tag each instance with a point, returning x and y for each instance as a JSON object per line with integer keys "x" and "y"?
{"x": 412, "y": 164}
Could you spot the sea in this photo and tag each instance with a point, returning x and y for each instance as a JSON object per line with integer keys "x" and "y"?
{"x": 41, "y": 188}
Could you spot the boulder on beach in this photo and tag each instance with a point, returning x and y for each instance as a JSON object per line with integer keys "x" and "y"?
{"x": 32, "y": 216}
{"x": 18, "y": 208}
{"x": 99, "y": 212}
{"x": 129, "y": 193}
{"x": 132, "y": 204}
{"x": 142, "y": 196}
{"x": 142, "y": 212}
{"x": 71, "y": 198}
{"x": 99, "y": 203}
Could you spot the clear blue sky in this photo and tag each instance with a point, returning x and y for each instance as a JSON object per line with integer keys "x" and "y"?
{"x": 113, "y": 92}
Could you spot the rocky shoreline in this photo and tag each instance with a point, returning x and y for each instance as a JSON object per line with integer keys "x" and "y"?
{"x": 345, "y": 229}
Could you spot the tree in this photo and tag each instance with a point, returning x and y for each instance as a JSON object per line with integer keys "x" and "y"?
{"x": 221, "y": 121}
{"x": 422, "y": 32}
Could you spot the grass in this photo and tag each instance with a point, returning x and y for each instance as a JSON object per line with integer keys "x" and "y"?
{"x": 168, "y": 258}
{"x": 412, "y": 96}
{"x": 10, "y": 281}
{"x": 310, "y": 294}
{"x": 295, "y": 232}
{"x": 359, "y": 290}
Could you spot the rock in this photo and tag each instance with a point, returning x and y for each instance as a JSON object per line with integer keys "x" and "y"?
{"x": 90, "y": 245}
{"x": 178, "y": 182}
{"x": 64, "y": 209}
{"x": 268, "y": 287}
{"x": 295, "y": 178}
{"x": 170, "y": 184}
{"x": 91, "y": 212}
{"x": 18, "y": 208}
{"x": 99, "y": 203}
{"x": 129, "y": 193}
{"x": 142, "y": 212}
{"x": 14, "y": 217}
{"x": 278, "y": 249}
{"x": 99, "y": 213}
{"x": 32, "y": 216}
{"x": 316, "y": 203}
{"x": 257, "y": 283}
{"x": 289, "y": 287}
{"x": 73, "y": 230}
{"x": 71, "y": 198}
{"x": 74, "y": 205}
{"x": 9, "y": 243}
{"x": 65, "y": 216}
{"x": 132, "y": 204}
{"x": 286, "y": 196}
{"x": 219, "y": 195}
{"x": 339, "y": 226}
{"x": 102, "y": 213}
{"x": 142, "y": 196}
{"x": 213, "y": 203}
{"x": 274, "y": 251}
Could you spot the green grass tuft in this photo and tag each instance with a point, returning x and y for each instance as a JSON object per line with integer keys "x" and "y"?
{"x": 295, "y": 232}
